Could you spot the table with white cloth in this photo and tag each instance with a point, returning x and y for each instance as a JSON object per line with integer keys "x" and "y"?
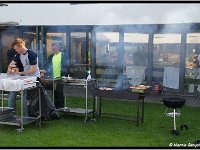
{"x": 19, "y": 84}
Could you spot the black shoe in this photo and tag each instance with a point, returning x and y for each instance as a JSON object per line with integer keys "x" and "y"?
{"x": 175, "y": 132}
{"x": 197, "y": 142}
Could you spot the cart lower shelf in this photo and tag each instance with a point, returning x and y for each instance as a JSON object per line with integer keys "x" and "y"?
{"x": 16, "y": 120}
{"x": 74, "y": 110}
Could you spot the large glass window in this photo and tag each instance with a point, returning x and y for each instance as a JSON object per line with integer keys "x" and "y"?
{"x": 166, "y": 53}
{"x": 107, "y": 47}
{"x": 136, "y": 49}
{"x": 80, "y": 54}
{"x": 78, "y": 50}
{"x": 192, "y": 62}
{"x": 136, "y": 54}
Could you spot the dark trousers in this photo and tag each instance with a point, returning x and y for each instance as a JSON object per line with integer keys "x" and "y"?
{"x": 59, "y": 96}
{"x": 58, "y": 93}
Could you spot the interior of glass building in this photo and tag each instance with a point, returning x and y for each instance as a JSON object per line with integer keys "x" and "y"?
{"x": 107, "y": 50}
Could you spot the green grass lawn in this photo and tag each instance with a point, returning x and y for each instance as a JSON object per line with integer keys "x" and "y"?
{"x": 71, "y": 131}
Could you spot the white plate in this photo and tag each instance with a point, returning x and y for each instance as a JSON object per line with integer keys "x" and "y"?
{"x": 66, "y": 77}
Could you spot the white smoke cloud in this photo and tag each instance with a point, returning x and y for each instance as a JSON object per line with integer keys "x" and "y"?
{"x": 187, "y": 14}
{"x": 100, "y": 14}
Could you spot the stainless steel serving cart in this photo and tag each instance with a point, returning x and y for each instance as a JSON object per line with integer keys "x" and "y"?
{"x": 74, "y": 83}
{"x": 7, "y": 113}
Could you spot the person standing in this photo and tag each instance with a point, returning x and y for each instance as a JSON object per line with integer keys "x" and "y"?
{"x": 29, "y": 61}
{"x": 10, "y": 55}
{"x": 56, "y": 67}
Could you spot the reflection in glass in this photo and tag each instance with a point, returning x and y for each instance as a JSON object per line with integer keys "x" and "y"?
{"x": 107, "y": 48}
{"x": 135, "y": 57}
{"x": 136, "y": 49}
{"x": 166, "y": 50}
{"x": 78, "y": 48}
{"x": 192, "y": 63}
{"x": 80, "y": 54}
{"x": 55, "y": 37}
{"x": 166, "y": 53}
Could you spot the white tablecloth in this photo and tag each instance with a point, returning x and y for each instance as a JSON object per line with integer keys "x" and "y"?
{"x": 16, "y": 82}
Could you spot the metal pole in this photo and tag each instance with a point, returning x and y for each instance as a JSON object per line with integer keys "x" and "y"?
{"x": 96, "y": 101}
{"x": 174, "y": 119}
{"x": 65, "y": 96}
{"x": 40, "y": 108}
{"x": 22, "y": 99}
{"x": 138, "y": 107}
{"x": 1, "y": 53}
{"x": 142, "y": 110}
{"x": 53, "y": 90}
{"x": 86, "y": 109}
{"x": 2, "y": 99}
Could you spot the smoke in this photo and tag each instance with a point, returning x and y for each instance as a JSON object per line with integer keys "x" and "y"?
{"x": 187, "y": 14}
{"x": 180, "y": 15}
{"x": 100, "y": 14}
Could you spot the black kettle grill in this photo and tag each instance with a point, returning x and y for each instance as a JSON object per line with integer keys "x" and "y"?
{"x": 174, "y": 103}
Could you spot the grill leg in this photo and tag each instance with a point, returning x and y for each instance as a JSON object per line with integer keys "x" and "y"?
{"x": 175, "y": 132}
{"x": 174, "y": 119}
{"x": 93, "y": 112}
{"x": 142, "y": 110}
{"x": 100, "y": 106}
{"x": 138, "y": 110}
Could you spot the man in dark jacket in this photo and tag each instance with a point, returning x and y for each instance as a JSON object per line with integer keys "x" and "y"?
{"x": 57, "y": 66}
{"x": 10, "y": 55}
{"x": 29, "y": 60}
